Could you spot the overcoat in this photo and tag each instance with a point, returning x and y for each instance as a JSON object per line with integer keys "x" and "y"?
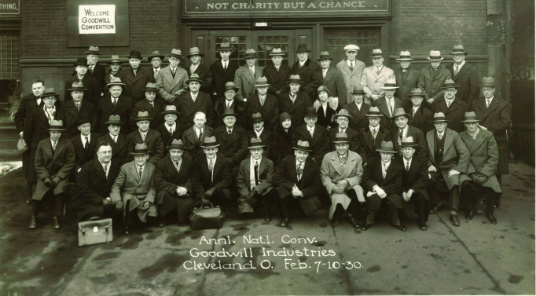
{"x": 372, "y": 81}
{"x": 244, "y": 80}
{"x": 352, "y": 78}
{"x": 152, "y": 140}
{"x": 297, "y": 109}
{"x": 105, "y": 108}
{"x": 454, "y": 114}
{"x": 69, "y": 114}
{"x": 187, "y": 108}
{"x": 467, "y": 81}
{"x": 269, "y": 111}
{"x": 233, "y": 146}
{"x": 168, "y": 84}
{"x": 135, "y": 84}
{"x": 406, "y": 81}
{"x": 319, "y": 143}
{"x": 310, "y": 75}
{"x": 455, "y": 156}
{"x": 358, "y": 120}
{"x": 432, "y": 80}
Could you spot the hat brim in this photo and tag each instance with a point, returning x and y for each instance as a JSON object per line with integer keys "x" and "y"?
{"x": 181, "y": 147}
{"x": 113, "y": 122}
{"x": 277, "y": 55}
{"x": 404, "y": 59}
{"x": 114, "y": 62}
{"x": 142, "y": 119}
{"x": 77, "y": 88}
{"x": 170, "y": 112}
{"x": 387, "y": 151}
{"x": 487, "y": 85}
{"x": 149, "y": 58}
{"x": 194, "y": 80}
{"x": 262, "y": 85}
{"x": 417, "y": 95}
{"x": 50, "y": 95}
{"x": 470, "y": 120}
{"x": 340, "y": 141}
{"x": 234, "y": 88}
{"x": 80, "y": 64}
{"x": 136, "y": 57}
{"x": 389, "y": 87}
{"x": 257, "y": 120}
{"x": 195, "y": 54}
{"x": 251, "y": 56}
{"x": 210, "y": 146}
{"x": 408, "y": 145}
{"x": 341, "y": 115}
{"x": 405, "y": 115}
{"x": 225, "y": 49}
{"x": 175, "y": 56}
{"x": 440, "y": 120}
{"x": 374, "y": 115}
{"x": 82, "y": 122}
{"x": 302, "y": 149}
{"x": 140, "y": 153}
{"x": 115, "y": 83}
{"x": 325, "y": 58}
{"x": 434, "y": 59}
{"x": 94, "y": 52}
{"x": 458, "y": 52}
{"x": 256, "y": 146}
{"x": 302, "y": 51}
{"x": 57, "y": 129}
{"x": 295, "y": 81}
{"x": 450, "y": 86}
{"x": 150, "y": 89}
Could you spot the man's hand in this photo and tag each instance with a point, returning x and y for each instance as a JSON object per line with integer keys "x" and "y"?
{"x": 106, "y": 202}
{"x": 181, "y": 191}
{"x": 209, "y": 193}
{"x": 453, "y": 172}
{"x": 480, "y": 179}
{"x": 296, "y": 192}
{"x": 483, "y": 127}
{"x": 338, "y": 188}
{"x": 374, "y": 97}
{"x": 56, "y": 181}
{"x": 380, "y": 192}
{"x": 145, "y": 205}
{"x": 430, "y": 101}
{"x": 118, "y": 205}
{"x": 47, "y": 181}
{"x": 432, "y": 168}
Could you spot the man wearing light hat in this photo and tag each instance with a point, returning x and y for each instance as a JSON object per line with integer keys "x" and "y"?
{"x": 196, "y": 67}
{"x": 95, "y": 69}
{"x": 155, "y": 58}
{"x": 308, "y": 70}
{"x": 120, "y": 143}
{"x": 333, "y": 79}
{"x": 295, "y": 101}
{"x": 372, "y": 135}
{"x": 92, "y": 92}
{"x": 315, "y": 134}
{"x": 223, "y": 70}
{"x": 71, "y": 110}
{"x": 171, "y": 80}
{"x": 148, "y": 136}
{"x": 375, "y": 76}
{"x": 265, "y": 103}
{"x": 342, "y": 119}
{"x": 453, "y": 107}
{"x": 171, "y": 129}
{"x": 113, "y": 71}
{"x": 117, "y": 102}
{"x": 152, "y": 104}
{"x": 388, "y": 103}
{"x": 246, "y": 75}
{"x": 193, "y": 101}
{"x": 276, "y": 72}
{"x": 402, "y": 130}
{"x": 464, "y": 75}
{"x": 433, "y": 77}
{"x": 407, "y": 78}
{"x": 351, "y": 70}
{"x": 136, "y": 78}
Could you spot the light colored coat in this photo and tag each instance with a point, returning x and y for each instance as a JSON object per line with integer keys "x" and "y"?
{"x": 168, "y": 85}
{"x": 372, "y": 82}
{"x": 352, "y": 78}
{"x": 245, "y": 81}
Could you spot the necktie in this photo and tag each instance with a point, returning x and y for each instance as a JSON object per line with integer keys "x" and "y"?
{"x": 211, "y": 169}
{"x": 171, "y": 131}
{"x": 106, "y": 170}
{"x": 378, "y": 70}
{"x": 143, "y": 137}
{"x": 407, "y": 166}
{"x": 390, "y": 105}
{"x": 456, "y": 69}
{"x": 134, "y": 71}
{"x": 114, "y": 101}
{"x": 54, "y": 144}
{"x": 77, "y": 106}
{"x": 228, "y": 105}
{"x": 488, "y": 101}
{"x": 224, "y": 65}
{"x": 374, "y": 133}
{"x": 384, "y": 173}
{"x": 440, "y": 136}
{"x": 299, "y": 171}
{"x": 229, "y": 131}
{"x": 311, "y": 131}
{"x": 50, "y": 115}
{"x": 177, "y": 165}
{"x": 173, "y": 72}
{"x": 200, "y": 134}
{"x": 352, "y": 66}
{"x": 91, "y": 68}
{"x": 155, "y": 73}
{"x": 448, "y": 103}
{"x": 87, "y": 143}
{"x": 115, "y": 139}
{"x": 252, "y": 69}
{"x": 140, "y": 171}
{"x": 324, "y": 72}
{"x": 292, "y": 97}
{"x": 39, "y": 102}
{"x": 256, "y": 167}
{"x": 262, "y": 99}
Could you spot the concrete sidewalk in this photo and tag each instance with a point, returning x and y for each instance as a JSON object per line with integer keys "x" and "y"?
{"x": 309, "y": 258}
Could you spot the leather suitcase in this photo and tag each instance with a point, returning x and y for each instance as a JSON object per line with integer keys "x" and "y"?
{"x": 206, "y": 218}
{"x": 95, "y": 232}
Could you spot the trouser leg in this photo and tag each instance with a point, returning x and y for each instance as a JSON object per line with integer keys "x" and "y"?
{"x": 421, "y": 205}
{"x": 454, "y": 198}
{"x": 469, "y": 194}
{"x": 58, "y": 204}
{"x": 392, "y": 212}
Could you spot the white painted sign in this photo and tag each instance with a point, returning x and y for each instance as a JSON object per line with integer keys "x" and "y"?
{"x": 96, "y": 19}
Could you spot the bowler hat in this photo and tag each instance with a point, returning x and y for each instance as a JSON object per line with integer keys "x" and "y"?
{"x": 261, "y": 82}
{"x": 458, "y": 49}
{"x": 387, "y": 147}
{"x": 404, "y": 56}
{"x": 210, "y": 142}
{"x": 470, "y": 117}
{"x": 135, "y": 54}
{"x": 302, "y": 48}
{"x": 83, "y": 118}
{"x": 150, "y": 86}
{"x": 310, "y": 112}
{"x": 155, "y": 54}
{"x": 256, "y": 117}
{"x": 228, "y": 112}
{"x": 114, "y": 59}
{"x": 256, "y": 143}
{"x": 225, "y": 46}
{"x": 377, "y": 52}
{"x": 93, "y": 50}
{"x": 81, "y": 62}
{"x": 357, "y": 90}
{"x": 194, "y": 51}
{"x": 408, "y": 142}
{"x": 171, "y": 109}
{"x": 229, "y": 85}
{"x": 487, "y": 82}
{"x": 302, "y": 145}
{"x": 114, "y": 119}
{"x": 277, "y": 52}
{"x": 250, "y": 54}
{"x": 449, "y": 83}
{"x": 417, "y": 92}
{"x": 324, "y": 55}
{"x": 194, "y": 78}
{"x": 56, "y": 125}
{"x": 323, "y": 88}
{"x": 439, "y": 117}
{"x": 140, "y": 149}
{"x": 374, "y": 112}
{"x": 115, "y": 81}
{"x": 351, "y": 47}
{"x": 343, "y": 113}
{"x": 341, "y": 138}
{"x": 294, "y": 78}
{"x": 176, "y": 144}
{"x": 50, "y": 92}
{"x": 77, "y": 86}
{"x": 177, "y": 53}
{"x": 142, "y": 115}
{"x": 435, "y": 56}
{"x": 400, "y": 112}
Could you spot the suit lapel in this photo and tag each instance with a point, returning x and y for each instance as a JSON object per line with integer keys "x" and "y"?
{"x": 430, "y": 140}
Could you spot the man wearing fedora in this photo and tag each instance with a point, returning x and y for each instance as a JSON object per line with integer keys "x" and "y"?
{"x": 414, "y": 183}
{"x": 134, "y": 187}
{"x": 407, "y": 78}
{"x": 172, "y": 80}
{"x": 464, "y": 75}
{"x": 433, "y": 77}
{"x": 308, "y": 70}
{"x": 240, "y": 108}
{"x": 375, "y": 76}
{"x": 421, "y": 117}
{"x": 173, "y": 181}
{"x": 92, "y": 92}
{"x": 54, "y": 161}
{"x": 95, "y": 180}
{"x": 372, "y": 135}
{"x": 324, "y": 110}
{"x": 382, "y": 181}
{"x": 171, "y": 129}
{"x": 495, "y": 115}
{"x": 135, "y": 78}
{"x": 403, "y": 130}
{"x": 246, "y": 76}
{"x": 152, "y": 104}
{"x": 276, "y": 72}
{"x": 351, "y": 70}
{"x": 94, "y": 69}
{"x": 120, "y": 143}
{"x": 147, "y": 135}
{"x": 297, "y": 181}
{"x": 116, "y": 103}
{"x": 113, "y": 71}
{"x": 260, "y": 132}
{"x": 255, "y": 182}
{"x": 480, "y": 180}
{"x": 265, "y": 103}
{"x": 357, "y": 109}
{"x": 193, "y": 101}
{"x": 196, "y": 67}
{"x": 342, "y": 119}
{"x": 76, "y": 108}
{"x": 233, "y": 140}
{"x": 333, "y": 79}
{"x": 341, "y": 173}
{"x": 315, "y": 134}
{"x": 447, "y": 159}
{"x": 84, "y": 144}
{"x": 193, "y": 137}
{"x": 156, "y": 59}
{"x": 450, "y": 105}
{"x": 223, "y": 70}
{"x": 294, "y": 101}
{"x": 388, "y": 103}
{"x": 212, "y": 176}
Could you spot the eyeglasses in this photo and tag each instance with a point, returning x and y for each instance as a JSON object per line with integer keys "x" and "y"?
{"x": 49, "y": 99}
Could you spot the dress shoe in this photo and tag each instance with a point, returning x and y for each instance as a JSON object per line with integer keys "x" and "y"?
{"x": 491, "y": 218}
{"x": 366, "y": 226}
{"x": 284, "y": 223}
{"x": 352, "y": 221}
{"x": 454, "y": 220}
{"x": 267, "y": 218}
{"x": 33, "y": 223}
{"x": 437, "y": 208}
{"x": 423, "y": 227}
{"x": 469, "y": 215}
{"x": 56, "y": 223}
{"x": 400, "y": 227}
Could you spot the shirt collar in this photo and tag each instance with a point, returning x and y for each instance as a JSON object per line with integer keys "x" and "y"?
{"x": 253, "y": 160}
{"x": 259, "y": 132}
{"x": 460, "y": 65}
{"x": 475, "y": 134}
{"x": 84, "y": 137}
{"x": 172, "y": 126}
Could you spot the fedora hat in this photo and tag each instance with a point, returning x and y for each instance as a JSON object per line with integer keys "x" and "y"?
{"x": 150, "y": 86}
{"x": 171, "y": 109}
{"x": 256, "y": 117}
{"x": 81, "y": 62}
{"x": 390, "y": 84}
{"x": 294, "y": 78}
{"x": 114, "y": 59}
{"x": 176, "y": 144}
{"x": 262, "y": 82}
{"x": 417, "y": 92}
{"x": 83, "y": 118}
{"x": 357, "y": 90}
{"x": 351, "y": 47}
{"x": 250, "y": 54}
{"x": 195, "y": 77}
{"x": 408, "y": 142}
{"x": 377, "y": 52}
{"x": 93, "y": 50}
{"x": 324, "y": 55}
{"x": 114, "y": 119}
{"x": 374, "y": 112}
{"x": 343, "y": 113}
{"x": 458, "y": 49}
{"x": 177, "y": 53}
{"x": 115, "y": 81}
{"x": 435, "y": 55}
{"x": 142, "y": 115}
{"x": 470, "y": 117}
{"x": 230, "y": 85}
{"x": 323, "y": 88}
{"x": 302, "y": 48}
{"x": 140, "y": 149}
{"x": 439, "y": 117}
{"x": 50, "y": 92}
{"x": 284, "y": 116}
{"x": 487, "y": 82}
{"x": 449, "y": 83}
{"x": 210, "y": 142}
{"x": 228, "y": 112}
{"x": 404, "y": 56}
{"x": 341, "y": 138}
{"x": 77, "y": 86}
{"x": 56, "y": 125}
{"x": 387, "y": 147}
{"x": 256, "y": 143}
{"x": 155, "y": 54}
{"x": 277, "y": 52}
{"x": 302, "y": 145}
{"x": 194, "y": 51}
{"x": 400, "y": 112}
{"x": 135, "y": 54}
{"x": 225, "y": 46}
{"x": 310, "y": 112}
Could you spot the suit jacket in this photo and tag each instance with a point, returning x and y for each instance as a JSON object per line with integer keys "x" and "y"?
{"x": 167, "y": 178}
{"x": 296, "y": 110}
{"x": 432, "y": 81}
{"x": 135, "y": 84}
{"x": 155, "y": 112}
{"x": 352, "y": 134}
{"x": 192, "y": 143}
{"x": 266, "y": 177}
{"x": 108, "y": 78}
{"x": 310, "y": 75}
{"x": 467, "y": 81}
{"x": 326, "y": 120}
{"x": 483, "y": 157}
{"x": 387, "y": 120}
{"x": 205, "y": 75}
{"x": 352, "y": 78}
{"x": 455, "y": 155}
{"x": 70, "y": 115}
{"x": 417, "y": 176}
{"x": 168, "y": 85}
{"x": 240, "y": 108}
{"x": 422, "y": 119}
{"x": 391, "y": 184}
{"x": 153, "y": 142}
{"x": 358, "y": 118}
{"x": 372, "y": 82}
{"x": 120, "y": 150}
{"x": 334, "y": 81}
{"x": 187, "y": 108}
{"x": 203, "y": 180}
{"x": 91, "y": 94}
{"x": 221, "y": 76}
{"x": 319, "y": 143}
{"x": 286, "y": 176}
{"x": 455, "y": 113}
{"x": 84, "y": 155}
{"x": 27, "y": 104}
{"x": 418, "y": 137}
{"x": 51, "y": 164}
{"x": 234, "y": 146}
{"x": 129, "y": 183}
{"x": 36, "y": 127}
{"x": 266, "y": 137}
{"x": 281, "y": 144}
{"x": 406, "y": 81}
{"x": 269, "y": 111}
{"x": 332, "y": 171}
{"x": 167, "y": 138}
{"x": 244, "y": 80}
{"x": 368, "y": 145}
{"x": 98, "y": 73}
{"x": 105, "y": 108}
{"x": 277, "y": 79}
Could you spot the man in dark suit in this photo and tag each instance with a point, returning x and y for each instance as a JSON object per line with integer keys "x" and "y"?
{"x": 121, "y": 146}
{"x": 84, "y": 144}
{"x": 246, "y": 76}
{"x": 222, "y": 71}
{"x": 233, "y": 140}
{"x": 135, "y": 78}
{"x": 464, "y": 75}
{"x": 332, "y": 79}
{"x": 388, "y": 103}
{"x": 277, "y": 73}
{"x": 172, "y": 80}
{"x": 315, "y": 134}
{"x": 297, "y": 180}
{"x": 450, "y": 105}
{"x": 421, "y": 117}
{"x": 295, "y": 101}
{"x": 407, "y": 78}
{"x": 372, "y": 136}
{"x": 173, "y": 181}
{"x": 193, "y": 101}
{"x": 54, "y": 161}
{"x": 78, "y": 107}
{"x": 156, "y": 59}
{"x": 382, "y": 181}
{"x": 146, "y": 135}
{"x": 95, "y": 69}
{"x": 240, "y": 108}
{"x": 196, "y": 67}
{"x": 193, "y": 137}
{"x": 151, "y": 104}
{"x": 433, "y": 77}
{"x": 95, "y": 180}
{"x": 308, "y": 70}
{"x": 265, "y": 103}
{"x": 92, "y": 92}
{"x": 357, "y": 109}
{"x": 171, "y": 129}
{"x": 342, "y": 118}
{"x": 260, "y": 132}
{"x": 403, "y": 130}
{"x": 117, "y": 103}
